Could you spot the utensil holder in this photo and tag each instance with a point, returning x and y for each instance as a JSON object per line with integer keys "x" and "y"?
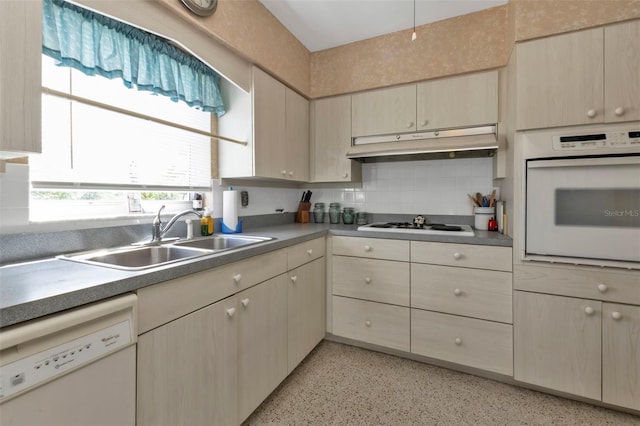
{"x": 302, "y": 215}
{"x": 482, "y": 216}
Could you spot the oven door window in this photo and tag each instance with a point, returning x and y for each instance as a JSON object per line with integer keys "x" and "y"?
{"x": 600, "y": 207}
{"x": 584, "y": 208}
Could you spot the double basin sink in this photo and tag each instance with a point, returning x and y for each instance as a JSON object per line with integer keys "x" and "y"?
{"x": 133, "y": 258}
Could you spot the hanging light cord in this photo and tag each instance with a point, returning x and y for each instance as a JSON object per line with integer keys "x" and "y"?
{"x": 413, "y": 36}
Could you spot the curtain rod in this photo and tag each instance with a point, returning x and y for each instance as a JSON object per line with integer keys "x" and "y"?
{"x": 112, "y": 108}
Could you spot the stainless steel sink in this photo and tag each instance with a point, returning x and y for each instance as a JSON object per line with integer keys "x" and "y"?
{"x": 132, "y": 258}
{"x": 223, "y": 242}
{"x": 135, "y": 258}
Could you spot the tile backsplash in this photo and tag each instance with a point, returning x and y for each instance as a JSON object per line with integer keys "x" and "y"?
{"x": 433, "y": 187}
{"x": 437, "y": 187}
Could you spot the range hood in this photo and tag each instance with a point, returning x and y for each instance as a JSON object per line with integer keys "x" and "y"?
{"x": 449, "y": 143}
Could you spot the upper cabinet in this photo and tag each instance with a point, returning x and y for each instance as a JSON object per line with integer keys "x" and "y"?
{"x": 330, "y": 141}
{"x": 278, "y": 146}
{"x": 622, "y": 72}
{"x": 579, "y": 78}
{"x": 20, "y": 78}
{"x": 384, "y": 111}
{"x": 468, "y": 100}
{"x": 463, "y": 101}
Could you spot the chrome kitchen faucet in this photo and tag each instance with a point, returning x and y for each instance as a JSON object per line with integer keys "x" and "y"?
{"x": 158, "y": 232}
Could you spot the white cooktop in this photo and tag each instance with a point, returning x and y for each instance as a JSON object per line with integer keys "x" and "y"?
{"x": 466, "y": 230}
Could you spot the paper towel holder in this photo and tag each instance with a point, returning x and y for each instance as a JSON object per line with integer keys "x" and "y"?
{"x": 227, "y": 230}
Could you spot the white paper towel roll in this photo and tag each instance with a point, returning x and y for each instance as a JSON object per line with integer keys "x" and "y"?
{"x": 230, "y": 209}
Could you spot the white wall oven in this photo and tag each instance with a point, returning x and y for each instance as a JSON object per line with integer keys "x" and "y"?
{"x": 582, "y": 195}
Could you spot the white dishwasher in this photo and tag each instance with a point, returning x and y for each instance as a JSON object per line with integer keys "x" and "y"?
{"x": 73, "y": 368}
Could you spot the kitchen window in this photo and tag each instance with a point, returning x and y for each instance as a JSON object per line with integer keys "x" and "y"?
{"x": 109, "y": 150}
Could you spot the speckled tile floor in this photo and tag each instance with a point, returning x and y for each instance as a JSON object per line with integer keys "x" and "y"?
{"x": 343, "y": 385}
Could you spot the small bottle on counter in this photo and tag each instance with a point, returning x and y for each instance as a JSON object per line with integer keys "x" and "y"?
{"x": 334, "y": 213}
{"x": 206, "y": 224}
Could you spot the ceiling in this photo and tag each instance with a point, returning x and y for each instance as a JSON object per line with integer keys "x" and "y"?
{"x": 322, "y": 24}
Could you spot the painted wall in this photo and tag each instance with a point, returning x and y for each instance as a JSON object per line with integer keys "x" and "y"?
{"x": 473, "y": 42}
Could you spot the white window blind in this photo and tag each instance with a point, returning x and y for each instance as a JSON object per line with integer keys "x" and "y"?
{"x": 87, "y": 146}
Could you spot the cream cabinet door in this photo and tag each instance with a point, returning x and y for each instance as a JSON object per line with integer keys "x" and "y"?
{"x": 384, "y": 111}
{"x": 20, "y": 79}
{"x": 621, "y": 355}
{"x": 622, "y": 71}
{"x": 468, "y": 100}
{"x": 262, "y": 342}
{"x": 297, "y": 136}
{"x": 307, "y": 310}
{"x": 330, "y": 141}
{"x": 557, "y": 343}
{"x": 187, "y": 369}
{"x": 559, "y": 80}
{"x": 268, "y": 126}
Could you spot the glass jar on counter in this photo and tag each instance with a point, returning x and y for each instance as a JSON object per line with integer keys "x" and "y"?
{"x": 361, "y": 218}
{"x": 318, "y": 212}
{"x": 334, "y": 213}
{"x": 348, "y": 215}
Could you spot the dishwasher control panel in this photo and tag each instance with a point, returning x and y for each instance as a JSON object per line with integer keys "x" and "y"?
{"x": 43, "y": 366}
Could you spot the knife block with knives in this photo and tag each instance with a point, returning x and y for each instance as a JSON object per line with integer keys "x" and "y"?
{"x": 302, "y": 215}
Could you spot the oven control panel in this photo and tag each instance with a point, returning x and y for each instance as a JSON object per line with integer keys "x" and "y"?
{"x": 619, "y": 139}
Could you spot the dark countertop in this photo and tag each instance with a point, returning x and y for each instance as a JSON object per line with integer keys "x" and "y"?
{"x": 34, "y": 289}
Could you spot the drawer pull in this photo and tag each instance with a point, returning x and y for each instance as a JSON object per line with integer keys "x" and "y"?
{"x": 457, "y": 292}
{"x": 602, "y": 288}
{"x": 294, "y": 278}
{"x": 231, "y": 311}
{"x": 367, "y": 323}
{"x": 367, "y": 280}
{"x": 367, "y": 248}
{"x": 591, "y": 113}
{"x": 589, "y": 310}
{"x": 244, "y": 302}
{"x": 237, "y": 278}
{"x": 458, "y": 341}
{"x": 619, "y": 112}
{"x": 457, "y": 256}
{"x": 616, "y": 315}
{"x": 310, "y": 252}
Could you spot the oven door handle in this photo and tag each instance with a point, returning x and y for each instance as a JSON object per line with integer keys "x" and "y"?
{"x": 580, "y": 162}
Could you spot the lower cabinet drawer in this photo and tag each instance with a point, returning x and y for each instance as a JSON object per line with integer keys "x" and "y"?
{"x": 372, "y": 322}
{"x": 469, "y": 292}
{"x": 476, "y": 343}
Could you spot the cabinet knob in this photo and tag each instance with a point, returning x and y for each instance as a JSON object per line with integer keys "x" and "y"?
{"x": 457, "y": 256}
{"x": 294, "y": 278}
{"x": 457, "y": 292}
{"x": 409, "y": 124}
{"x": 290, "y": 172}
{"x": 619, "y": 111}
{"x": 283, "y": 172}
{"x": 367, "y": 280}
{"x": 458, "y": 341}
{"x": 616, "y": 315}
{"x": 602, "y": 288}
{"x": 310, "y": 252}
{"x": 245, "y": 302}
{"x": 367, "y": 323}
{"x": 589, "y": 310}
{"x": 346, "y": 175}
{"x": 424, "y": 123}
{"x": 237, "y": 278}
{"x": 231, "y": 312}
{"x": 367, "y": 248}
{"x": 591, "y": 113}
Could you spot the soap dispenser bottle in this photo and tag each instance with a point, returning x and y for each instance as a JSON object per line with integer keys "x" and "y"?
{"x": 206, "y": 224}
